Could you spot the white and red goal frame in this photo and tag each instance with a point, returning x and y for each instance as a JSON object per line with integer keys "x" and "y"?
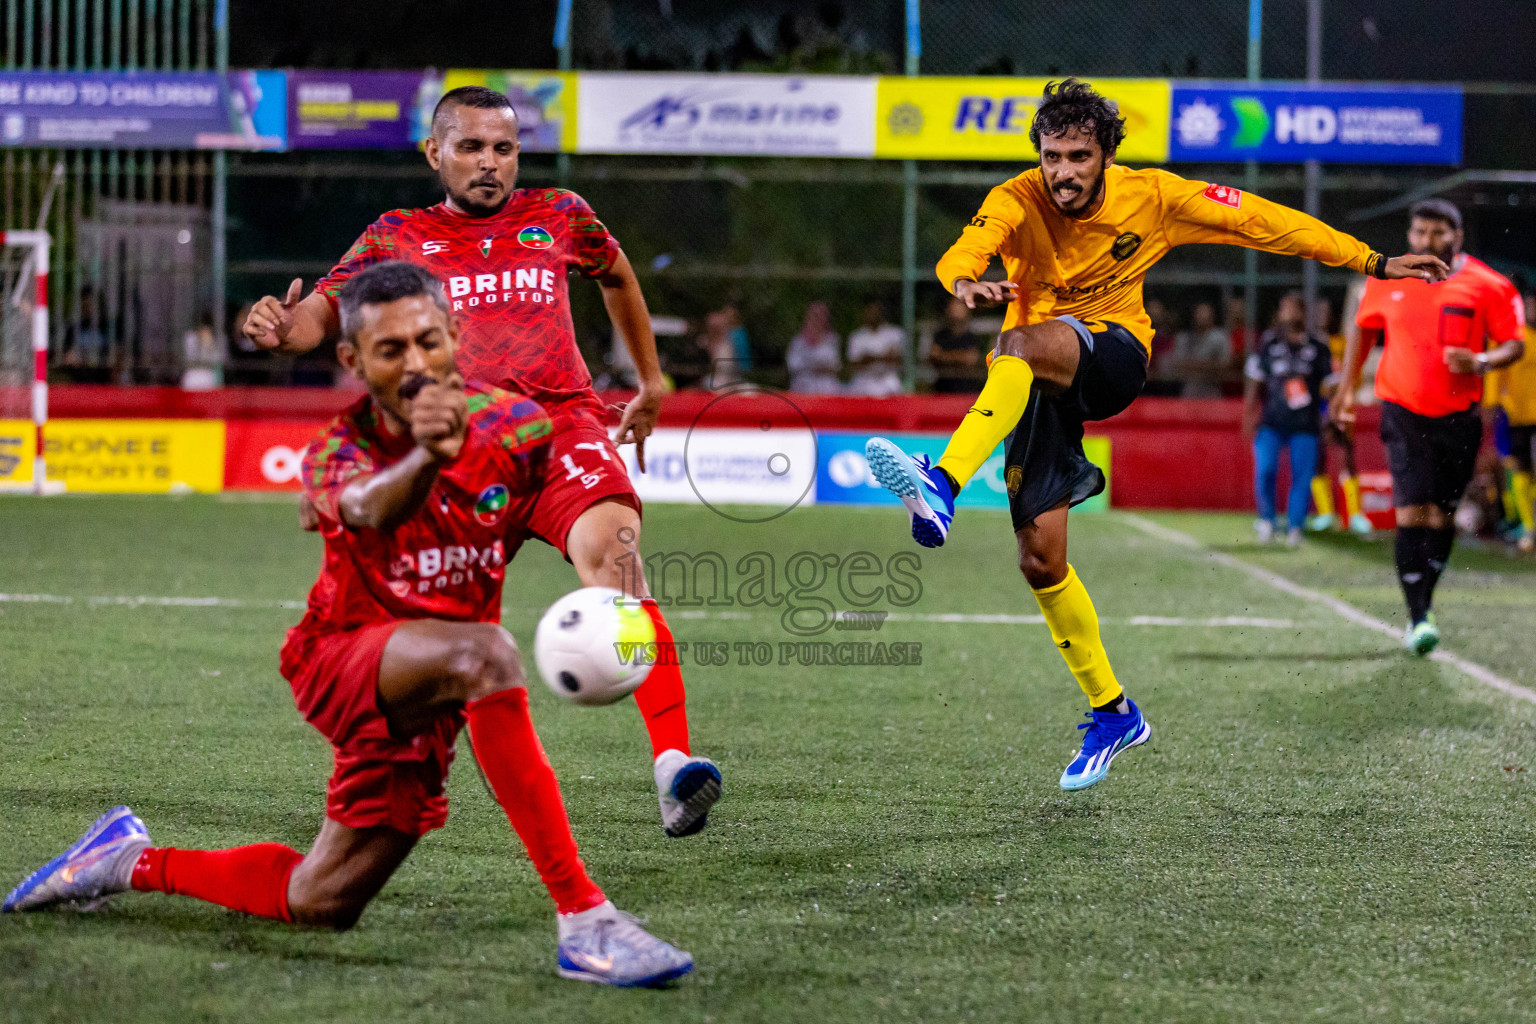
{"x": 39, "y": 242}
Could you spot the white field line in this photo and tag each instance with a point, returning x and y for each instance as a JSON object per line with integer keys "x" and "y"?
{"x": 694, "y": 614}
{"x": 99, "y": 601}
{"x": 1337, "y": 605}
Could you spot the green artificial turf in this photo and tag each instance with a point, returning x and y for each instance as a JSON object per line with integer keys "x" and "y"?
{"x": 1320, "y": 829}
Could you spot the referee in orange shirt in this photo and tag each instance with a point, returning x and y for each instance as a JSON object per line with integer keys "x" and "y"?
{"x": 1440, "y": 339}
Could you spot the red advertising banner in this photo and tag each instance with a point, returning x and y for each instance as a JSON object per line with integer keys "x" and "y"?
{"x": 264, "y": 455}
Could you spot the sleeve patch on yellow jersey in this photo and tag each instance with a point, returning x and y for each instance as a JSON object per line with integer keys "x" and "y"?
{"x": 979, "y": 221}
{"x": 1225, "y": 195}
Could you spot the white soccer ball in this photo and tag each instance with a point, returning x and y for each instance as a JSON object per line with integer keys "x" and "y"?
{"x": 595, "y": 646}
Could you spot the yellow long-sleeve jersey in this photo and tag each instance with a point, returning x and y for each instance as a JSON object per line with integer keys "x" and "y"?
{"x": 1514, "y": 386}
{"x": 1092, "y": 268}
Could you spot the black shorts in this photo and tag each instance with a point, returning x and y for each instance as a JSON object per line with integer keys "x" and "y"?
{"x": 1522, "y": 446}
{"x": 1432, "y": 458}
{"x": 1044, "y": 461}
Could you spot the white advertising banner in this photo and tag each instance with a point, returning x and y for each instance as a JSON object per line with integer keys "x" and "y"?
{"x": 726, "y": 467}
{"x": 745, "y": 115}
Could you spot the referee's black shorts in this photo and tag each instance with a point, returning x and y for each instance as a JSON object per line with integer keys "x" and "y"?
{"x": 1044, "y": 464}
{"x": 1432, "y": 458}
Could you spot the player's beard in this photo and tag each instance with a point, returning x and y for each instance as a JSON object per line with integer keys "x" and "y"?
{"x": 471, "y": 204}
{"x": 1094, "y": 191}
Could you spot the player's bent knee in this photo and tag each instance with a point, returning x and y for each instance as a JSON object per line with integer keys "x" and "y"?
{"x": 485, "y": 661}
{"x": 1041, "y": 571}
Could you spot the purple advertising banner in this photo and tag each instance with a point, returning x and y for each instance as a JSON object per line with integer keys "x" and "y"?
{"x": 142, "y": 110}
{"x": 355, "y": 109}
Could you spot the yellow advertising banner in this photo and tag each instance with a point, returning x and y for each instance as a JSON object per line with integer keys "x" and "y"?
{"x": 120, "y": 456}
{"x": 545, "y": 102}
{"x": 987, "y": 118}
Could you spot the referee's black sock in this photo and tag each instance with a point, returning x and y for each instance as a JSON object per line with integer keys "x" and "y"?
{"x": 1414, "y": 549}
{"x": 1439, "y": 555}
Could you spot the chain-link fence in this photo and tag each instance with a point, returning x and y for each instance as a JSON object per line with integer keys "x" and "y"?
{"x": 772, "y": 236}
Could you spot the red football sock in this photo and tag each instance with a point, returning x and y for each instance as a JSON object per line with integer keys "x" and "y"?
{"x": 523, "y": 782}
{"x": 660, "y": 698}
{"x": 252, "y": 879}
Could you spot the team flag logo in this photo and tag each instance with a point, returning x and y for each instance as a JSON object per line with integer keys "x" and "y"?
{"x": 535, "y": 237}
{"x": 491, "y": 505}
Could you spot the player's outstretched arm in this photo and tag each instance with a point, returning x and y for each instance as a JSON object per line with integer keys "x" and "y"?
{"x": 439, "y": 424}
{"x": 626, "y": 307}
{"x": 289, "y": 324}
{"x": 1197, "y": 212}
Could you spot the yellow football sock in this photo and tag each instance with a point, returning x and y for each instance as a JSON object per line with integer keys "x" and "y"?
{"x": 1322, "y": 494}
{"x": 1521, "y": 485}
{"x": 1511, "y": 505}
{"x": 994, "y": 414}
{"x": 1351, "y": 495}
{"x": 1074, "y": 626}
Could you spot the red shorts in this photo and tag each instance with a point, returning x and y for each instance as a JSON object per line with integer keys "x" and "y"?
{"x": 583, "y": 468}
{"x": 378, "y": 779}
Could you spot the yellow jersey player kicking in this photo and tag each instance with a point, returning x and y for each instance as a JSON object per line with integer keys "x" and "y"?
{"x": 1077, "y": 235}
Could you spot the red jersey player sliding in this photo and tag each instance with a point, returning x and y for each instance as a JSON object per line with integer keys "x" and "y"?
{"x": 416, "y": 486}
{"x": 505, "y": 253}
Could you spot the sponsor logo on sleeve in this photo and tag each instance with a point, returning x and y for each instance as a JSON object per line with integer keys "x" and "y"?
{"x": 1225, "y": 195}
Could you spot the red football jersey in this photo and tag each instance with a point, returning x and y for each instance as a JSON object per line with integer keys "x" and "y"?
{"x": 1421, "y": 320}
{"x": 506, "y": 277}
{"x": 445, "y": 562}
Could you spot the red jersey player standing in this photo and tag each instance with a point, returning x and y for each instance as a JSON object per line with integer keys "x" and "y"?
{"x": 415, "y": 487}
{"x": 505, "y": 254}
{"x": 1430, "y": 384}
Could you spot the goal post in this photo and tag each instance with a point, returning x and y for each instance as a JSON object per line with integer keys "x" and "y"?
{"x": 24, "y": 361}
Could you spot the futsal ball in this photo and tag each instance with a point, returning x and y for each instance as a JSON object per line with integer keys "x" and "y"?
{"x": 595, "y": 646}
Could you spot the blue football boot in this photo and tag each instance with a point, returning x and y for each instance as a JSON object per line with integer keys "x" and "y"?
{"x": 99, "y": 864}
{"x": 1108, "y": 735}
{"x": 920, "y": 486}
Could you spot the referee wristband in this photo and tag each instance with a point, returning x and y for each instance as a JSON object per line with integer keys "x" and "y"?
{"x": 1376, "y": 266}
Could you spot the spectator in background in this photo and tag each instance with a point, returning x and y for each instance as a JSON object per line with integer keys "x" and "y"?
{"x": 1237, "y": 327}
{"x": 1162, "y": 336}
{"x": 956, "y": 353}
{"x": 741, "y": 345}
{"x": 716, "y": 341}
{"x": 1282, "y": 408}
{"x": 1202, "y": 355}
{"x": 814, "y": 359}
{"x": 875, "y": 350}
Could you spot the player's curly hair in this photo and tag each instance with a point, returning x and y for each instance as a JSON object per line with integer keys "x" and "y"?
{"x": 1076, "y": 104}
{"x": 386, "y": 282}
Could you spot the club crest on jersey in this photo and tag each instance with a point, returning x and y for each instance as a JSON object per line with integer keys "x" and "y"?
{"x": 1125, "y": 246}
{"x": 535, "y": 237}
{"x": 485, "y": 246}
{"x": 491, "y": 505}
{"x": 1225, "y": 195}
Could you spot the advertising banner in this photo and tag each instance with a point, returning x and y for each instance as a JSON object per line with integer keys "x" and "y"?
{"x": 119, "y": 456}
{"x": 143, "y": 110}
{"x": 1229, "y": 121}
{"x": 545, "y": 102}
{"x": 747, "y": 115}
{"x": 843, "y": 476}
{"x": 987, "y": 118}
{"x": 723, "y": 467}
{"x": 264, "y": 455}
{"x": 354, "y": 109}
